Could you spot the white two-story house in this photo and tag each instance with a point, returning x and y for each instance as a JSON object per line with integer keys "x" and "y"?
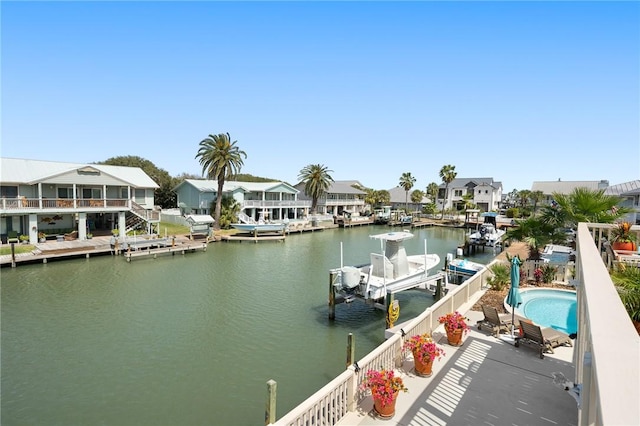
{"x": 487, "y": 193}
{"x": 340, "y": 197}
{"x": 53, "y": 197}
{"x": 268, "y": 200}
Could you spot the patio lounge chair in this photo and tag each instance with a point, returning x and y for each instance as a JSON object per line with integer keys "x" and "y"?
{"x": 73, "y": 235}
{"x": 498, "y": 322}
{"x": 543, "y": 338}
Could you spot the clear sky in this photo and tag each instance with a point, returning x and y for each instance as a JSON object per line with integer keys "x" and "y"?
{"x": 516, "y": 91}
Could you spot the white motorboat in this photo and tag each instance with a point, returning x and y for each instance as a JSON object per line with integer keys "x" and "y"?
{"x": 488, "y": 235}
{"x": 464, "y": 266}
{"x": 390, "y": 271}
{"x": 259, "y": 227}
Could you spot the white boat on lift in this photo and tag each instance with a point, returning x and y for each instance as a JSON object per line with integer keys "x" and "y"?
{"x": 488, "y": 235}
{"x": 463, "y": 266}
{"x": 390, "y": 271}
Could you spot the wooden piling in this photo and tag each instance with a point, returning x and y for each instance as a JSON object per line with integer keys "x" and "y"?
{"x": 333, "y": 275}
{"x": 351, "y": 349}
{"x": 270, "y": 409}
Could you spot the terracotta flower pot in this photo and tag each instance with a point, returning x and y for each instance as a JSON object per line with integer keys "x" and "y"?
{"x": 455, "y": 337}
{"x": 621, "y": 245}
{"x": 387, "y": 411}
{"x": 424, "y": 369}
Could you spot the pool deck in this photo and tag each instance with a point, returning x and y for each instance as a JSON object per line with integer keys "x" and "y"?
{"x": 486, "y": 381}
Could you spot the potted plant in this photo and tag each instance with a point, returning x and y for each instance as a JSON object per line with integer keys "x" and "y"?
{"x": 425, "y": 351}
{"x": 42, "y": 237}
{"x": 385, "y": 387}
{"x": 622, "y": 238}
{"x": 89, "y": 236}
{"x": 455, "y": 325}
{"x": 24, "y": 239}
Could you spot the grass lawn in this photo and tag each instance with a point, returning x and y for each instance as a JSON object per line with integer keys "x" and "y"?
{"x": 20, "y": 248}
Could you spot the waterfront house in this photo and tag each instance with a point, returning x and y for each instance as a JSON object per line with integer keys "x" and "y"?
{"x": 487, "y": 193}
{"x": 548, "y": 188}
{"x": 55, "y": 198}
{"x": 270, "y": 200}
{"x": 400, "y": 200}
{"x": 630, "y": 194}
{"x": 342, "y": 195}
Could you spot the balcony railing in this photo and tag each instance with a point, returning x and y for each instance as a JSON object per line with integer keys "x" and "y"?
{"x": 606, "y": 350}
{"x": 30, "y": 204}
{"x": 276, "y": 203}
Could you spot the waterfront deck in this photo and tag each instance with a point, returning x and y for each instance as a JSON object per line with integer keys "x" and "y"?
{"x": 484, "y": 381}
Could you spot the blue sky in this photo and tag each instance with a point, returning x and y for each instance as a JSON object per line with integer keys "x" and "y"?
{"x": 517, "y": 91}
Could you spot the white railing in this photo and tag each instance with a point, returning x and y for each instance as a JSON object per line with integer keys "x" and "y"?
{"x": 331, "y": 403}
{"x": 276, "y": 203}
{"x": 607, "y": 350}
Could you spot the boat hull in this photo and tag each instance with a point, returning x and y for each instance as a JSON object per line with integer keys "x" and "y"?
{"x": 266, "y": 227}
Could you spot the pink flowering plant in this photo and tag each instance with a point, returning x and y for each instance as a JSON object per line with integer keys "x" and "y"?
{"x": 537, "y": 275}
{"x": 384, "y": 385}
{"x": 454, "y": 321}
{"x": 424, "y": 348}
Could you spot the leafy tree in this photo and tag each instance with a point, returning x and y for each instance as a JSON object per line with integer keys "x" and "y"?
{"x": 406, "y": 182}
{"x": 429, "y": 208}
{"x": 221, "y": 160}
{"x": 317, "y": 181}
{"x": 432, "y": 191}
{"x": 164, "y": 195}
{"x": 383, "y": 197}
{"x": 523, "y": 197}
{"x": 447, "y": 174}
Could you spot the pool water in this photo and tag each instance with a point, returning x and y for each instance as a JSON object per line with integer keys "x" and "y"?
{"x": 550, "y": 308}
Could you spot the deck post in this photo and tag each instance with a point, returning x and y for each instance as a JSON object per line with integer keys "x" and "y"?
{"x": 13, "y": 255}
{"x": 270, "y": 410}
{"x": 332, "y": 295}
{"x": 351, "y": 349}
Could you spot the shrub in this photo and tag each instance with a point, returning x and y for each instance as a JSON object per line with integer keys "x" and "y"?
{"x": 501, "y": 276}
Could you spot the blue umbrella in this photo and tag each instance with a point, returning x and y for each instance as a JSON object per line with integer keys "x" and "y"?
{"x": 513, "y": 298}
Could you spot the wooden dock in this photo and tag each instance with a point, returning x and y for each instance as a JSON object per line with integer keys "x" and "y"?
{"x": 155, "y": 251}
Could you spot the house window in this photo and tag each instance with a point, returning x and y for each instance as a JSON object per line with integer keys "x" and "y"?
{"x": 486, "y": 191}
{"x": 92, "y": 193}
{"x": 124, "y": 193}
{"x": 9, "y": 191}
{"x": 65, "y": 192}
{"x": 457, "y": 193}
{"x": 139, "y": 195}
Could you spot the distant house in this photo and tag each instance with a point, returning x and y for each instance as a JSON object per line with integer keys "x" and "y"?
{"x": 487, "y": 193}
{"x": 630, "y": 194}
{"x": 52, "y": 197}
{"x": 341, "y": 196}
{"x": 270, "y": 200}
{"x": 401, "y": 200}
{"x": 548, "y": 188}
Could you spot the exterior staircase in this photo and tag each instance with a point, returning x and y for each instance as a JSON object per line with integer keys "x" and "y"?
{"x": 140, "y": 218}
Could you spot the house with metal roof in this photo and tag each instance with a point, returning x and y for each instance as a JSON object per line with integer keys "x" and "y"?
{"x": 400, "y": 200}
{"x": 630, "y": 194}
{"x": 272, "y": 200}
{"x": 548, "y": 188}
{"x": 487, "y": 193}
{"x": 342, "y": 195}
{"x": 49, "y": 196}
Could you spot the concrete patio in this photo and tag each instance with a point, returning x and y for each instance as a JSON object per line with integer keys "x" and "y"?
{"x": 486, "y": 381}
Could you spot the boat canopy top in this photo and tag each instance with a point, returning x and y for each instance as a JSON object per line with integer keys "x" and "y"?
{"x": 393, "y": 236}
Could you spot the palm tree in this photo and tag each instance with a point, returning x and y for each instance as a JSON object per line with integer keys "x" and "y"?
{"x": 316, "y": 180}
{"x": 220, "y": 159}
{"x": 536, "y": 197}
{"x": 587, "y": 205}
{"x": 536, "y": 233}
{"x": 417, "y": 196}
{"x": 406, "y": 182}
{"x": 447, "y": 174}
{"x": 432, "y": 191}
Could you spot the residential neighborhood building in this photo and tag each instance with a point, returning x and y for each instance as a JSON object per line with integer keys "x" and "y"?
{"x": 401, "y": 200}
{"x": 55, "y": 197}
{"x": 486, "y": 194}
{"x": 341, "y": 196}
{"x": 630, "y": 194}
{"x": 266, "y": 200}
{"x": 548, "y": 188}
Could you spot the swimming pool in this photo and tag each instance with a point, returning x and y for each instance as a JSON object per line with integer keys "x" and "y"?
{"x": 550, "y": 308}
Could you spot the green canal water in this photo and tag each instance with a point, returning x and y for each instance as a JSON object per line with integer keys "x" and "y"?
{"x": 188, "y": 340}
